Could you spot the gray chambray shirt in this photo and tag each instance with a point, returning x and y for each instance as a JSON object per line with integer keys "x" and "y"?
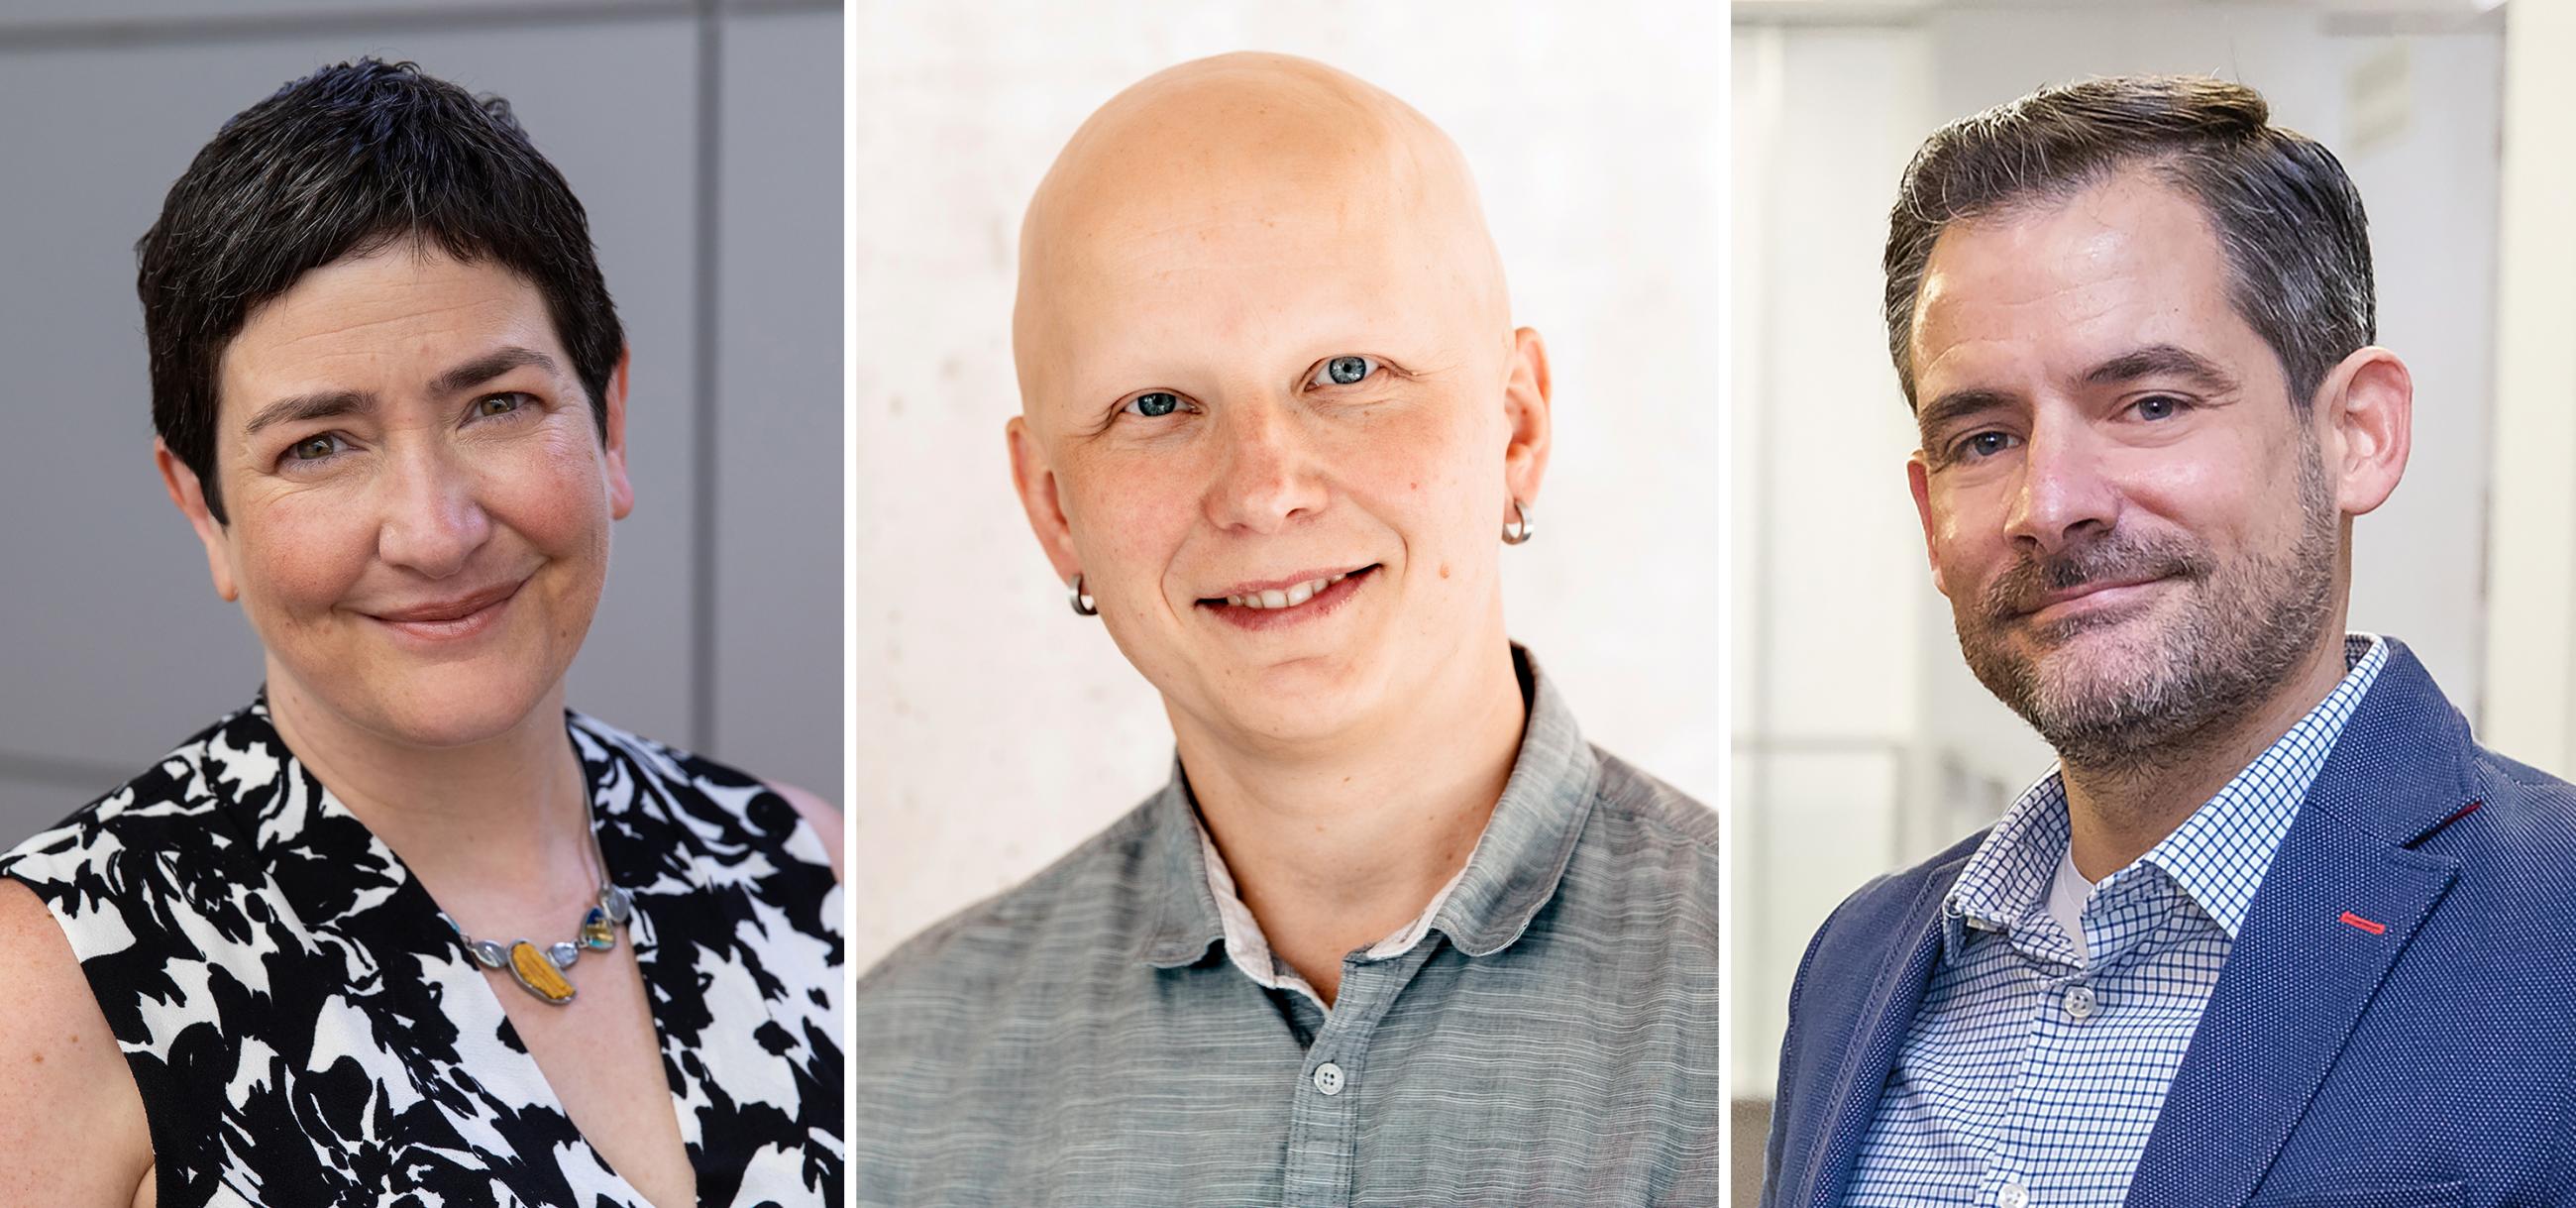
{"x": 1551, "y": 1038}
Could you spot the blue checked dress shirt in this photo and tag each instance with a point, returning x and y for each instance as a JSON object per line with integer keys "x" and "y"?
{"x": 2033, "y": 1071}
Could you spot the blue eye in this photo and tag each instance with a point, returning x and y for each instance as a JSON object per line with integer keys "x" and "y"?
{"x": 2158, "y": 406}
{"x": 1985, "y": 444}
{"x": 1344, "y": 371}
{"x": 1154, "y": 404}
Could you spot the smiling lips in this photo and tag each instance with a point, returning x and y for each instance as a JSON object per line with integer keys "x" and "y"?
{"x": 1271, "y": 603}
{"x": 451, "y": 619}
{"x": 1295, "y": 594}
{"x": 2086, "y": 597}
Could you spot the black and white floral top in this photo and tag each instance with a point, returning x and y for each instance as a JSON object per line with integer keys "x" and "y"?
{"x": 306, "y": 1030}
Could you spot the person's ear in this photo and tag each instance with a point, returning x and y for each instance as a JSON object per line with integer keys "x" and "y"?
{"x": 621, "y": 493}
{"x": 1526, "y": 402}
{"x": 1918, "y": 480}
{"x": 1034, "y": 479}
{"x": 189, "y": 496}
{"x": 2364, "y": 413}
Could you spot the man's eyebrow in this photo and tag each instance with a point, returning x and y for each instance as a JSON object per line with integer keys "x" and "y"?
{"x": 1947, "y": 409}
{"x": 322, "y": 404}
{"x": 487, "y": 367}
{"x": 2163, "y": 360}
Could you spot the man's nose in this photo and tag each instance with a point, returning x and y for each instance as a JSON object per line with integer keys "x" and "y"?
{"x": 1265, "y": 472}
{"x": 2064, "y": 494}
{"x": 432, "y": 518}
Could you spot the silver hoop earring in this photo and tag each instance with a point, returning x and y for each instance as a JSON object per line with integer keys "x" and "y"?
{"x": 1083, "y": 606}
{"x": 1517, "y": 529}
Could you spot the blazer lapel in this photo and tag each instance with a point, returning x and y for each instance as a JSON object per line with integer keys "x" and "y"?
{"x": 2342, "y": 899}
{"x": 1883, "y": 1022}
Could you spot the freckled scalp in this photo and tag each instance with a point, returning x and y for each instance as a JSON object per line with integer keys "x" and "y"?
{"x": 1223, "y": 158}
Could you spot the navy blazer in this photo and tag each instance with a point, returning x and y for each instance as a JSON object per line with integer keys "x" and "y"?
{"x": 2395, "y": 1028}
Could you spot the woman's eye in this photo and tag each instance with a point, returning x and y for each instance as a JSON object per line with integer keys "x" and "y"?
{"x": 314, "y": 448}
{"x": 498, "y": 404}
{"x": 1344, "y": 371}
{"x": 1154, "y": 404}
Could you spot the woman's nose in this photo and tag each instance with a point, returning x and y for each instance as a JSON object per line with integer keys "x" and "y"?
{"x": 432, "y": 521}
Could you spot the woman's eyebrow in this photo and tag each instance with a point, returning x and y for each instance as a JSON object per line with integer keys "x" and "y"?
{"x": 323, "y": 404}
{"x": 487, "y": 367}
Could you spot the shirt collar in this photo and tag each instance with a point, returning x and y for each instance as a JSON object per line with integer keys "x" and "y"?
{"x": 1513, "y": 871}
{"x": 2217, "y": 856}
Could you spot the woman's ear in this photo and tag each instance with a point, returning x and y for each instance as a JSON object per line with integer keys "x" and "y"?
{"x": 189, "y": 495}
{"x": 621, "y": 493}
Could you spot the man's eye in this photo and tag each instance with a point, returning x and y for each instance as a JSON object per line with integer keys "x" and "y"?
{"x": 2158, "y": 406}
{"x": 1985, "y": 444}
{"x": 313, "y": 448}
{"x": 499, "y": 404}
{"x": 1344, "y": 371}
{"x": 1153, "y": 404}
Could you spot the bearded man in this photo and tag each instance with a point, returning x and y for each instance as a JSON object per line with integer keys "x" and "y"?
{"x": 2276, "y": 930}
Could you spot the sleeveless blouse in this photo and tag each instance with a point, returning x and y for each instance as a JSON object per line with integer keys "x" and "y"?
{"x": 306, "y": 1030}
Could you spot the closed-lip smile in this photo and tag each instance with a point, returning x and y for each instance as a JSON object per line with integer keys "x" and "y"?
{"x": 453, "y": 617}
{"x": 2069, "y": 595}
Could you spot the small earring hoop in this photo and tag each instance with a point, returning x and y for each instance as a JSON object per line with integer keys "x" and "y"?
{"x": 1518, "y": 529}
{"x": 1083, "y": 605}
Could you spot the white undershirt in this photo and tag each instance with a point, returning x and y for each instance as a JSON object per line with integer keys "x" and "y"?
{"x": 1250, "y": 951}
{"x": 2066, "y": 897}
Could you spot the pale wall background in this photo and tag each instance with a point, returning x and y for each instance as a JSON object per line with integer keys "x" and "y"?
{"x": 1863, "y": 744}
{"x": 704, "y": 139}
{"x": 996, "y": 729}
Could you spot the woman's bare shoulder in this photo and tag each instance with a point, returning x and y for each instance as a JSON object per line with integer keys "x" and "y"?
{"x": 72, "y": 1130}
{"x": 819, "y": 814}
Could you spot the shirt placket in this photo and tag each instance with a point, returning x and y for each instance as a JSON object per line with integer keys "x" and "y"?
{"x": 2067, "y": 1038}
{"x": 1324, "y": 1119}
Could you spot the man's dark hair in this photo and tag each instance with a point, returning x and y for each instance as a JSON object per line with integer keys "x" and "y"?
{"x": 348, "y": 161}
{"x": 2287, "y": 218}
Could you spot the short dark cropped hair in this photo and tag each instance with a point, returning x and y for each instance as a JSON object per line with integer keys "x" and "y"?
{"x": 2296, "y": 242}
{"x": 347, "y": 161}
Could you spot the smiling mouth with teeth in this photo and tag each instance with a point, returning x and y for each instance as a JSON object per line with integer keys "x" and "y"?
{"x": 1295, "y": 603}
{"x": 1294, "y": 595}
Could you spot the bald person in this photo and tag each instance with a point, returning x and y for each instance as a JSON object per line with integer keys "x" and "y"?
{"x": 1393, "y": 933}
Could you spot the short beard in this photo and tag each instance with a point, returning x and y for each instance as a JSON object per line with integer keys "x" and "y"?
{"x": 2244, "y": 629}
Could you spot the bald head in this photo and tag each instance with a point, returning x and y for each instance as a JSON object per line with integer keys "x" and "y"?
{"x": 1265, "y": 356}
{"x": 1256, "y": 180}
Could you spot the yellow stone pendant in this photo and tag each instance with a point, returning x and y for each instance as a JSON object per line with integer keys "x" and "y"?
{"x": 530, "y": 965}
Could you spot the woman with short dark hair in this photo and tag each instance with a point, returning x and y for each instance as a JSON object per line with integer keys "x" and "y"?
{"x": 404, "y": 929}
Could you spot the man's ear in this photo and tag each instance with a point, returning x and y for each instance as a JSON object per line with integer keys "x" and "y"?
{"x": 1526, "y": 403}
{"x": 1035, "y": 481}
{"x": 1918, "y": 479}
{"x": 189, "y": 496}
{"x": 621, "y": 493}
{"x": 2365, "y": 415}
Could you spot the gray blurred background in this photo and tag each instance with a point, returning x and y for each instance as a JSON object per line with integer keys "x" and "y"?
{"x": 705, "y": 141}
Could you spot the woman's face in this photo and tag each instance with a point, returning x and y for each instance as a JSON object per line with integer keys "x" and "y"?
{"x": 418, "y": 498}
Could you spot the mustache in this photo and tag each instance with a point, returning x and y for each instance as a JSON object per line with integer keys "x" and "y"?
{"x": 2119, "y": 558}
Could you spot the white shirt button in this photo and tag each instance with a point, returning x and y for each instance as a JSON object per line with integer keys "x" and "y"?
{"x": 2079, "y": 1003}
{"x": 1328, "y": 1078}
{"x": 2012, "y": 1195}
